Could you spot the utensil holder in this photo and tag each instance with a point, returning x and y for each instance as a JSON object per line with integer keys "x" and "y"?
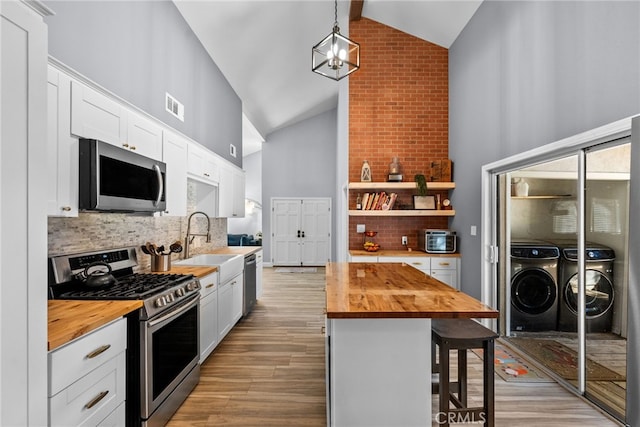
{"x": 160, "y": 263}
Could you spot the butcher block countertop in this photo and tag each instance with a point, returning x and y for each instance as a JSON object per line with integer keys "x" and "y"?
{"x": 71, "y": 319}
{"x": 395, "y": 290}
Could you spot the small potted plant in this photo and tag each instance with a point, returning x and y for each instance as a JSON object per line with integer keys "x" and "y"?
{"x": 421, "y": 200}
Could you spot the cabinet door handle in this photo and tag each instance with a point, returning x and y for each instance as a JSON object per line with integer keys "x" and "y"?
{"x": 298, "y": 233}
{"x": 66, "y": 208}
{"x": 93, "y": 402}
{"x": 445, "y": 264}
{"x": 133, "y": 147}
{"x": 303, "y": 234}
{"x": 210, "y": 285}
{"x": 125, "y": 145}
{"x": 98, "y": 351}
{"x": 416, "y": 263}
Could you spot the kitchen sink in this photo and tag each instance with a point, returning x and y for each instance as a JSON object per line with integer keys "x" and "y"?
{"x": 229, "y": 266}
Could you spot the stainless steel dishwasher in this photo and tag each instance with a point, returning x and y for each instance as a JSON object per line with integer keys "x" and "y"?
{"x": 249, "y": 283}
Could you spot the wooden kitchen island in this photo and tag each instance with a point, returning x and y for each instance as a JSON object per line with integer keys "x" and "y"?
{"x": 378, "y": 341}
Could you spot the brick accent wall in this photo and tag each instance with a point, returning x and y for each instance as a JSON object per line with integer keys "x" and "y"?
{"x": 398, "y": 107}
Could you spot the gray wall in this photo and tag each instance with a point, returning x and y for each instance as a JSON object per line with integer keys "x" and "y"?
{"x": 524, "y": 74}
{"x": 300, "y": 161}
{"x": 139, "y": 50}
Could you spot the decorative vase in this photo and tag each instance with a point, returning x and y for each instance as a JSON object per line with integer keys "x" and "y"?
{"x": 519, "y": 187}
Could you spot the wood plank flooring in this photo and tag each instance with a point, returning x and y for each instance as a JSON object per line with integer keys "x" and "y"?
{"x": 269, "y": 371}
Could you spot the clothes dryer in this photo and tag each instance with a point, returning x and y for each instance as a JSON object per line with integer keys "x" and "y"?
{"x": 599, "y": 288}
{"x": 534, "y": 286}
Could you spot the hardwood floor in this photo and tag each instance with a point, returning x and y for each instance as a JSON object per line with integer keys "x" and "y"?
{"x": 269, "y": 371}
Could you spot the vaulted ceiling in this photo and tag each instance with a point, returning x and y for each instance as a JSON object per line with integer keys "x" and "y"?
{"x": 263, "y": 47}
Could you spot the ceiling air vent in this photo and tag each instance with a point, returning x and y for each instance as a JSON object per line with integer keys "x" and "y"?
{"x": 174, "y": 107}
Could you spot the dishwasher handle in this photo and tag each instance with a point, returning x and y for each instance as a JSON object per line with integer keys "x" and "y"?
{"x": 250, "y": 260}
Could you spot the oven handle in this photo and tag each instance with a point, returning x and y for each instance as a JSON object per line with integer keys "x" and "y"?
{"x": 160, "y": 184}
{"x": 175, "y": 312}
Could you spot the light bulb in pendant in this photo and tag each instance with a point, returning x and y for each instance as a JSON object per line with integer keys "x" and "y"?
{"x": 342, "y": 55}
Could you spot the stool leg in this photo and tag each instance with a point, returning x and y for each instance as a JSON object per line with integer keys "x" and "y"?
{"x": 444, "y": 382}
{"x": 462, "y": 377}
{"x": 489, "y": 383}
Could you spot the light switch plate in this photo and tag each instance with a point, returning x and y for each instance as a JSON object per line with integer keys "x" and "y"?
{"x": 360, "y": 228}
{"x": 474, "y": 230}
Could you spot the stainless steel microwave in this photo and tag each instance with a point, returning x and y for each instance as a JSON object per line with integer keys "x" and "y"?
{"x": 437, "y": 241}
{"x": 118, "y": 180}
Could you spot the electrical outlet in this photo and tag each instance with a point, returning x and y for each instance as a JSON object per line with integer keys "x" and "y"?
{"x": 404, "y": 240}
{"x": 360, "y": 228}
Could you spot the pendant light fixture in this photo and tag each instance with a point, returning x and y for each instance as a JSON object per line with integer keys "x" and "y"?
{"x": 335, "y": 56}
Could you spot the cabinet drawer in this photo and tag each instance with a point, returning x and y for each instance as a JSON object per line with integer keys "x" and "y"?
{"x": 115, "y": 419}
{"x": 92, "y": 398}
{"x": 444, "y": 263}
{"x": 209, "y": 284}
{"x": 81, "y": 356}
{"x": 363, "y": 258}
{"x": 421, "y": 263}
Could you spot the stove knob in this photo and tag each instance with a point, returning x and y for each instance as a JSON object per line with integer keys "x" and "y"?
{"x": 169, "y": 298}
{"x": 160, "y": 302}
{"x": 191, "y": 286}
{"x": 179, "y": 292}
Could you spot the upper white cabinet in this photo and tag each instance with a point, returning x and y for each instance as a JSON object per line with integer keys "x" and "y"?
{"x": 62, "y": 148}
{"x": 96, "y": 116}
{"x": 143, "y": 136}
{"x": 174, "y": 149}
{"x": 232, "y": 192}
{"x": 203, "y": 165}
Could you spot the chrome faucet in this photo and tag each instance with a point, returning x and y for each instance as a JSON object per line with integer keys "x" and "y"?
{"x": 190, "y": 236}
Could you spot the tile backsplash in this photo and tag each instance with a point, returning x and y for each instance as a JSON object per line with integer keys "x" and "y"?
{"x": 96, "y": 231}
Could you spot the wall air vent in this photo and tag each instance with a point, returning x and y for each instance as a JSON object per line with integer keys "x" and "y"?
{"x": 174, "y": 107}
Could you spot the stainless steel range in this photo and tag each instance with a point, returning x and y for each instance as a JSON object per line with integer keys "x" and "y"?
{"x": 162, "y": 341}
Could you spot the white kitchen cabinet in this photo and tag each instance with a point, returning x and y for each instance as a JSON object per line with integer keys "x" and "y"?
{"x": 143, "y": 136}
{"x": 202, "y": 165}
{"x": 62, "y": 148}
{"x": 208, "y": 315}
{"x": 237, "y": 285}
{"x": 259, "y": 278}
{"x": 422, "y": 263}
{"x": 225, "y": 309}
{"x": 23, "y": 224}
{"x": 87, "y": 378}
{"x": 96, "y": 116}
{"x": 363, "y": 258}
{"x": 232, "y": 192}
{"x": 174, "y": 154}
{"x": 446, "y": 270}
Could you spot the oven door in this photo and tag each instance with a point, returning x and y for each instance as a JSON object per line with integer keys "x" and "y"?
{"x": 169, "y": 351}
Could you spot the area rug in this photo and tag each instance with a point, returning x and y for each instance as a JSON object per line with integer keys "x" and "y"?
{"x": 563, "y": 360}
{"x": 512, "y": 368}
{"x": 296, "y": 270}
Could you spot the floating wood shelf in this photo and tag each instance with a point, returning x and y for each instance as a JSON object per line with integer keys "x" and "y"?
{"x": 399, "y": 185}
{"x": 407, "y": 212}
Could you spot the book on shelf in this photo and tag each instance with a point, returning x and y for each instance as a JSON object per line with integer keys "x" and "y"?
{"x": 378, "y": 201}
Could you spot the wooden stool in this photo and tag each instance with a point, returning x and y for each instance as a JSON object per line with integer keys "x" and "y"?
{"x": 462, "y": 335}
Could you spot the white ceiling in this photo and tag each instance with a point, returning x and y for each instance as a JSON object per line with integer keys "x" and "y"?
{"x": 263, "y": 47}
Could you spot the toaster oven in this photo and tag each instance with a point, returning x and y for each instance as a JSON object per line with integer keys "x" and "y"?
{"x": 437, "y": 241}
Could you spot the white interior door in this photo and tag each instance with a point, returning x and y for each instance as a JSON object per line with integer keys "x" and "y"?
{"x": 315, "y": 248}
{"x": 285, "y": 219}
{"x": 301, "y": 231}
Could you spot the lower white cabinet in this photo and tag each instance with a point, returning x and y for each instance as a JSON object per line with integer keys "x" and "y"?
{"x": 237, "y": 285}
{"x": 225, "y": 307}
{"x": 443, "y": 268}
{"x": 446, "y": 270}
{"x": 208, "y": 315}
{"x": 259, "y": 267}
{"x": 87, "y": 378}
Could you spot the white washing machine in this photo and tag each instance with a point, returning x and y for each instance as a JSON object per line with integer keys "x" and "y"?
{"x": 599, "y": 289}
{"x": 534, "y": 286}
